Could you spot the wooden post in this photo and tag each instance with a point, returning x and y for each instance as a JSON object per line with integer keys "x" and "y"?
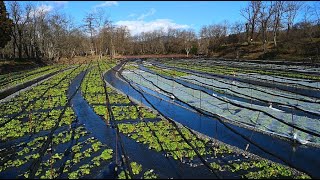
{"x": 107, "y": 116}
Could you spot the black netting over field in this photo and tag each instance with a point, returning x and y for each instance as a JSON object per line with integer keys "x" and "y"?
{"x": 217, "y": 98}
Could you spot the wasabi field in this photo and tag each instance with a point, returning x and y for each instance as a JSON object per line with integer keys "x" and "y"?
{"x": 161, "y": 118}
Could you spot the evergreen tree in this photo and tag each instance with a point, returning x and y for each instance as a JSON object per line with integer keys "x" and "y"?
{"x": 5, "y": 26}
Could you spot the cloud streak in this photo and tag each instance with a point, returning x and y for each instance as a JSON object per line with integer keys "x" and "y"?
{"x": 41, "y": 10}
{"x": 138, "y": 26}
{"x": 60, "y": 4}
{"x": 149, "y": 13}
{"x": 107, "y": 4}
{"x": 132, "y": 15}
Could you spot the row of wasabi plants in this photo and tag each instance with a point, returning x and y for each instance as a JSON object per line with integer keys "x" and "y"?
{"x": 41, "y": 136}
{"x": 9, "y": 80}
{"x": 45, "y": 138}
{"x": 227, "y": 70}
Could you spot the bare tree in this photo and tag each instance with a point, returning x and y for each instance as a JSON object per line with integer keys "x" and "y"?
{"x": 251, "y": 14}
{"x": 266, "y": 11}
{"x": 217, "y": 34}
{"x": 213, "y": 36}
{"x": 291, "y": 11}
{"x": 189, "y": 37}
{"x": 278, "y": 11}
{"x": 90, "y": 27}
{"x": 102, "y": 36}
{"x": 19, "y": 22}
{"x": 316, "y": 12}
{"x": 204, "y": 40}
{"x": 237, "y": 28}
{"x": 309, "y": 23}
{"x": 42, "y": 34}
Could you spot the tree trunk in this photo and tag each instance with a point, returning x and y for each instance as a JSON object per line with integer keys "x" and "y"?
{"x": 20, "y": 44}
{"x": 73, "y": 53}
{"x": 275, "y": 38}
{"x": 252, "y": 31}
{"x": 26, "y": 51}
{"x": 187, "y": 51}
{"x": 20, "y": 51}
{"x": 247, "y": 33}
{"x": 14, "y": 47}
{"x": 264, "y": 36}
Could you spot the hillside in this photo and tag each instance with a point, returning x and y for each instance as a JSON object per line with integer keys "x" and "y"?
{"x": 294, "y": 50}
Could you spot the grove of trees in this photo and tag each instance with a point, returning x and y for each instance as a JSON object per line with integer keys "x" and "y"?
{"x": 27, "y": 32}
{"x": 5, "y": 26}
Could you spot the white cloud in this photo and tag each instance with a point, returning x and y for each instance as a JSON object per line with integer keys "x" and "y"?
{"x": 107, "y": 4}
{"x": 61, "y": 2}
{"x": 42, "y": 9}
{"x": 139, "y": 26}
{"x": 149, "y": 13}
{"x": 132, "y": 15}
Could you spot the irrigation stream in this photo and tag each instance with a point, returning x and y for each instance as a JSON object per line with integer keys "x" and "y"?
{"x": 136, "y": 152}
{"x": 299, "y": 156}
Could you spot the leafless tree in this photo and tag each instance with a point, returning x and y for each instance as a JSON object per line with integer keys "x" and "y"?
{"x": 215, "y": 35}
{"x": 90, "y": 27}
{"x": 291, "y": 9}
{"x": 204, "y": 40}
{"x": 307, "y": 24}
{"x": 19, "y": 21}
{"x": 50, "y": 35}
{"x": 266, "y": 11}
{"x": 189, "y": 37}
{"x": 316, "y": 12}
{"x": 278, "y": 11}
{"x": 251, "y": 14}
{"x": 237, "y": 28}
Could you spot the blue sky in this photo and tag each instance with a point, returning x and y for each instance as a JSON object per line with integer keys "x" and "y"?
{"x": 145, "y": 16}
